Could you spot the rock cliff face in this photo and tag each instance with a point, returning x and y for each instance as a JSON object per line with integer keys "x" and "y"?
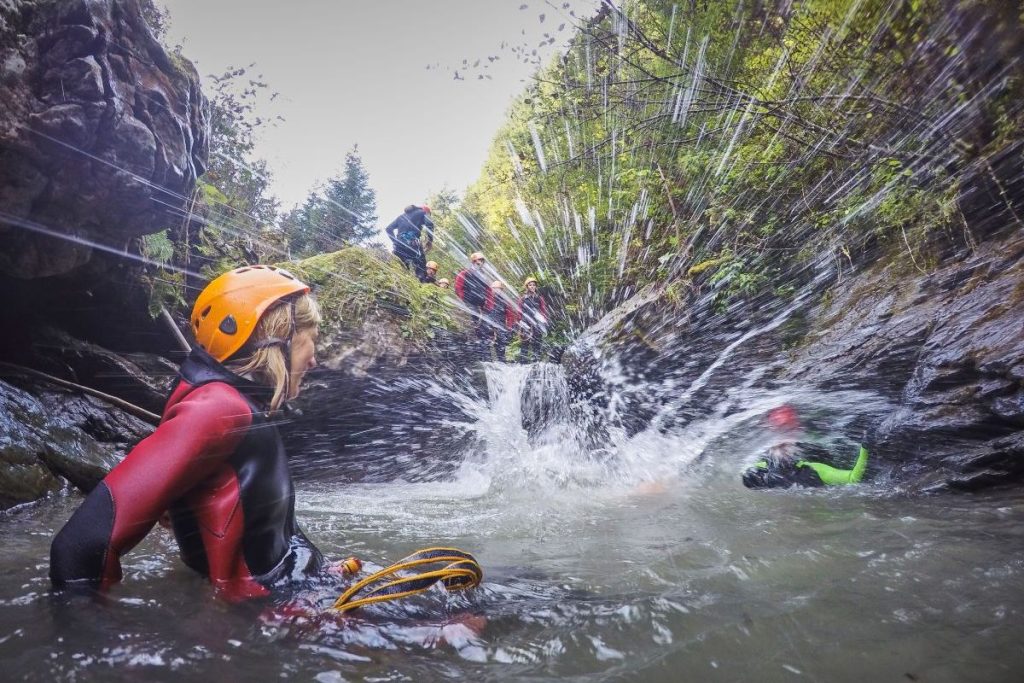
{"x": 101, "y": 132}
{"x": 944, "y": 347}
{"x": 102, "y": 136}
{"x": 947, "y": 348}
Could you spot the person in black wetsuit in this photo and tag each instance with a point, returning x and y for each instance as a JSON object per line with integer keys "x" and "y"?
{"x": 473, "y": 290}
{"x": 797, "y": 462}
{"x": 533, "y": 316}
{"x": 501, "y": 319}
{"x": 430, "y": 276}
{"x": 412, "y": 236}
{"x": 216, "y": 461}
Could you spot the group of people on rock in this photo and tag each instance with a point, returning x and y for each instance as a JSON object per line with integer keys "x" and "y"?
{"x": 497, "y": 317}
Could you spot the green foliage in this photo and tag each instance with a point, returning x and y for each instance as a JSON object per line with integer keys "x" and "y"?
{"x": 165, "y": 285}
{"x": 355, "y": 285}
{"x": 741, "y": 140}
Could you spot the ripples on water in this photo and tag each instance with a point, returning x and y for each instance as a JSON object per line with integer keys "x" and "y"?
{"x": 645, "y": 561}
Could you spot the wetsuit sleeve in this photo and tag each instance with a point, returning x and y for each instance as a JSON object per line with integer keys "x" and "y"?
{"x": 543, "y": 308}
{"x": 833, "y": 476}
{"x": 194, "y": 438}
{"x": 460, "y": 285}
{"x": 391, "y": 230}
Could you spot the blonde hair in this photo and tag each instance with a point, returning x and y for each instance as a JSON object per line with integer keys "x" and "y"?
{"x": 267, "y": 364}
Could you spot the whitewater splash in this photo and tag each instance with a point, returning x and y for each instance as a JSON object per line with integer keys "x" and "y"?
{"x": 528, "y": 461}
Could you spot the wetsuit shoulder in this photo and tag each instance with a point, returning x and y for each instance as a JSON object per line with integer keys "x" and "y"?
{"x": 200, "y": 429}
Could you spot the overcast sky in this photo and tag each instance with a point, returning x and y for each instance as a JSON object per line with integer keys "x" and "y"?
{"x": 356, "y": 72}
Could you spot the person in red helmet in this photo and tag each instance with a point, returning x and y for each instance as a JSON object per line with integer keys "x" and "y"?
{"x": 215, "y": 462}
{"x": 796, "y": 462}
{"x": 412, "y": 236}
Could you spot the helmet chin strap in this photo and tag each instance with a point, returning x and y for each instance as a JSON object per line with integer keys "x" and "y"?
{"x": 286, "y": 348}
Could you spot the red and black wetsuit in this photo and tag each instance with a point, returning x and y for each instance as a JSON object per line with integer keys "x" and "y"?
{"x": 216, "y": 462}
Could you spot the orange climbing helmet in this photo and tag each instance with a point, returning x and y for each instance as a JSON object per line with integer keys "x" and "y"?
{"x": 426, "y": 209}
{"x": 529, "y": 280}
{"x": 432, "y": 264}
{"x": 226, "y": 312}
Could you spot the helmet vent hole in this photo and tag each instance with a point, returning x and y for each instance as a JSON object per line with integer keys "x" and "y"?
{"x": 228, "y": 325}
{"x": 205, "y": 312}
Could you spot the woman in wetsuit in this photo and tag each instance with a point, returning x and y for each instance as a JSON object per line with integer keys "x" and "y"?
{"x": 216, "y": 461}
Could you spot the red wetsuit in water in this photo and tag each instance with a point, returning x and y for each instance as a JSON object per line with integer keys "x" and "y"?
{"x": 216, "y": 462}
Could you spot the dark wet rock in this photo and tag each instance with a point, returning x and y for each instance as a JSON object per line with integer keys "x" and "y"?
{"x": 947, "y": 347}
{"x": 23, "y": 475}
{"x": 544, "y": 399}
{"x": 393, "y": 355}
{"x": 141, "y": 379}
{"x": 944, "y": 348}
{"x": 49, "y": 436}
{"x": 651, "y": 358}
{"x": 392, "y": 422}
{"x": 101, "y": 132}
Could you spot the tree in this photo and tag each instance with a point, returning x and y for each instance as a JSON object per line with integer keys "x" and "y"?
{"x": 351, "y": 204}
{"x": 342, "y": 211}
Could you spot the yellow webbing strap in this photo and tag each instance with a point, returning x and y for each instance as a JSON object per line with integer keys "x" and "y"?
{"x": 461, "y": 571}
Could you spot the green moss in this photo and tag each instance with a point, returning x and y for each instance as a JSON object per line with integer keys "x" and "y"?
{"x": 356, "y": 284}
{"x": 182, "y": 66}
{"x": 704, "y": 266}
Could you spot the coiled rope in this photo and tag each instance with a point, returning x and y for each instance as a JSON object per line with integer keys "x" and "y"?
{"x": 460, "y": 571}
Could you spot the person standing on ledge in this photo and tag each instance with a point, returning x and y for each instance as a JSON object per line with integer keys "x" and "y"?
{"x": 412, "y": 236}
{"x": 533, "y": 314}
{"x": 797, "y": 463}
{"x": 216, "y": 461}
{"x": 501, "y": 319}
{"x": 473, "y": 290}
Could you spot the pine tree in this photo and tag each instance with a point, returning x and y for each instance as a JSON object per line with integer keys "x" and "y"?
{"x": 342, "y": 211}
{"x": 351, "y": 204}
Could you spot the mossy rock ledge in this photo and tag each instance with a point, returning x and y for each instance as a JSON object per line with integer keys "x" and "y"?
{"x": 375, "y": 313}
